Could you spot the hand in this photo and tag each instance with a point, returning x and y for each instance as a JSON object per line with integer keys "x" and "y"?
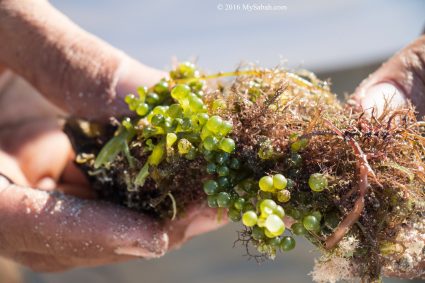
{"x": 400, "y": 79}
{"x": 49, "y": 220}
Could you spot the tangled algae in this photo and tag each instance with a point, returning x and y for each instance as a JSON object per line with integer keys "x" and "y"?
{"x": 277, "y": 151}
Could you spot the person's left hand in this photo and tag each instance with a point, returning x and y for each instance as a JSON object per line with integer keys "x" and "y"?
{"x": 41, "y": 224}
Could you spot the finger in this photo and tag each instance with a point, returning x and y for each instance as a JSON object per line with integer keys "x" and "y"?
{"x": 401, "y": 77}
{"x": 78, "y": 72}
{"x": 88, "y": 232}
{"x": 10, "y": 167}
{"x": 43, "y": 156}
{"x": 197, "y": 220}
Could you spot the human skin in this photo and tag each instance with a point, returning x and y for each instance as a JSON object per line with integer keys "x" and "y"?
{"x": 49, "y": 220}
{"x": 399, "y": 80}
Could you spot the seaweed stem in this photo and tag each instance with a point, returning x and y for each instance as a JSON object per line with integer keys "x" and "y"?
{"x": 363, "y": 169}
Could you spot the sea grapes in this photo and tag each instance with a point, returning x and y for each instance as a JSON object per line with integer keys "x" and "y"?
{"x": 275, "y": 151}
{"x": 173, "y": 119}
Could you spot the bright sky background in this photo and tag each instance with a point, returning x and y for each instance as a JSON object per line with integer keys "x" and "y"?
{"x": 319, "y": 35}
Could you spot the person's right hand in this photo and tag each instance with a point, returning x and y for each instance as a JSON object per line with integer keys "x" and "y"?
{"x": 400, "y": 78}
{"x": 42, "y": 223}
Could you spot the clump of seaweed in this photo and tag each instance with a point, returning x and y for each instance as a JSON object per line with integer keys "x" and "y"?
{"x": 279, "y": 153}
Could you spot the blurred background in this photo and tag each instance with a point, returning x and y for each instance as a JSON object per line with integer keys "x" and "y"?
{"x": 340, "y": 40}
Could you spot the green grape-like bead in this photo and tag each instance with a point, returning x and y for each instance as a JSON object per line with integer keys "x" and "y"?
{"x": 227, "y": 145}
{"x": 317, "y": 182}
{"x": 223, "y": 182}
{"x": 298, "y": 229}
{"x": 195, "y": 103}
{"x": 261, "y": 222}
{"x": 299, "y": 144}
{"x": 209, "y": 155}
{"x": 212, "y": 201}
{"x": 226, "y": 127}
{"x": 152, "y": 98}
{"x": 269, "y": 234}
{"x": 187, "y": 124}
{"x": 210, "y": 187}
{"x": 134, "y": 104}
{"x": 184, "y": 146}
{"x": 249, "y": 218}
{"x": 295, "y": 213}
{"x": 186, "y": 70}
{"x": 266, "y": 184}
{"x": 235, "y": 164}
{"x": 171, "y": 139}
{"x": 196, "y": 85}
{"x": 192, "y": 154}
{"x": 129, "y": 98}
{"x": 205, "y": 133}
{"x": 202, "y": 118}
{"x": 223, "y": 170}
{"x": 279, "y": 211}
{"x": 234, "y": 214}
{"x": 223, "y": 199}
{"x": 275, "y": 224}
{"x": 142, "y": 91}
{"x": 311, "y": 223}
{"x": 221, "y": 157}
{"x": 160, "y": 109}
{"x": 274, "y": 242}
{"x": 127, "y": 123}
{"x": 267, "y": 206}
{"x": 161, "y": 87}
{"x": 317, "y": 214}
{"x": 214, "y": 124}
{"x": 279, "y": 181}
{"x": 257, "y": 233}
{"x": 287, "y": 243}
{"x": 180, "y": 91}
{"x": 210, "y": 143}
{"x": 239, "y": 203}
{"x": 157, "y": 119}
{"x": 142, "y": 109}
{"x": 290, "y": 184}
{"x": 211, "y": 168}
{"x": 175, "y": 111}
{"x": 283, "y": 196}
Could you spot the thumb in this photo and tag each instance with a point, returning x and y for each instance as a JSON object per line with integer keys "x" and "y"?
{"x": 72, "y": 231}
{"x": 78, "y": 72}
{"x": 400, "y": 79}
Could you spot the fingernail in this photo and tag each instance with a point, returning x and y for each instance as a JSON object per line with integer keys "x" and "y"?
{"x": 155, "y": 247}
{"x": 4, "y": 182}
{"x": 378, "y": 95}
{"x": 131, "y": 251}
{"x": 139, "y": 252}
